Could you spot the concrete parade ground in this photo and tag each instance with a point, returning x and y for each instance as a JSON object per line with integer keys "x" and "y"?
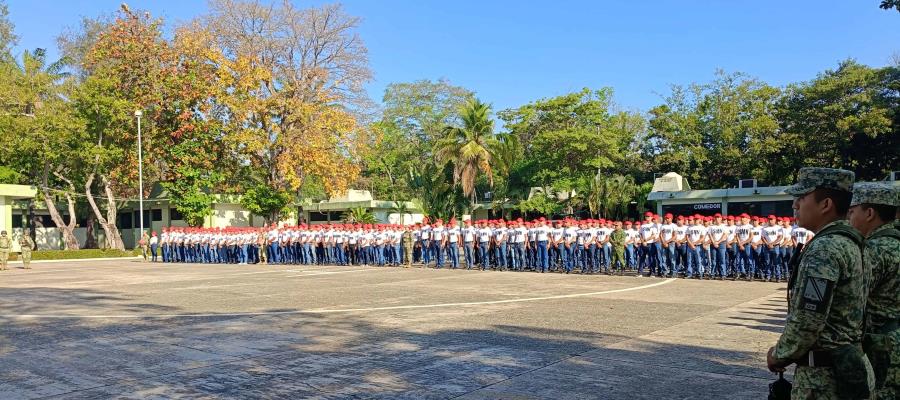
{"x": 127, "y": 329}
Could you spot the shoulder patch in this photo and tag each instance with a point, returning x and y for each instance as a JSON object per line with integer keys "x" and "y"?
{"x": 816, "y": 294}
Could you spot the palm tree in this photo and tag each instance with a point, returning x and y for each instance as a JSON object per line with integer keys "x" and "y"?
{"x": 471, "y": 149}
{"x": 402, "y": 208}
{"x": 360, "y": 215}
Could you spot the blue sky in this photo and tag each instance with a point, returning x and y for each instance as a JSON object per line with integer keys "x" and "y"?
{"x": 514, "y": 52}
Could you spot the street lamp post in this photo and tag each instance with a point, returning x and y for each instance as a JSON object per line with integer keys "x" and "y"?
{"x": 138, "y": 114}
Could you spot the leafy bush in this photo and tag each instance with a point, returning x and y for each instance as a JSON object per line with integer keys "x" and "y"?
{"x": 77, "y": 254}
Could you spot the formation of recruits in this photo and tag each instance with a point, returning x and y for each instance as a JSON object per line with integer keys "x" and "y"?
{"x": 694, "y": 246}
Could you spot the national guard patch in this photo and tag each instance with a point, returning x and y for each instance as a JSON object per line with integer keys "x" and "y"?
{"x": 816, "y": 295}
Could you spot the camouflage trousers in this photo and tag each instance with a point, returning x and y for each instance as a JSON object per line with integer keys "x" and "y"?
{"x": 891, "y": 387}
{"x": 407, "y": 255}
{"x": 26, "y": 258}
{"x": 261, "y": 254}
{"x": 145, "y": 251}
{"x": 811, "y": 383}
{"x": 4, "y": 256}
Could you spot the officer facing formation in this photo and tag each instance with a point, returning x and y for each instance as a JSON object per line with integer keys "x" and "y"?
{"x": 823, "y": 332}
{"x": 27, "y": 245}
{"x": 5, "y": 246}
{"x": 873, "y": 212}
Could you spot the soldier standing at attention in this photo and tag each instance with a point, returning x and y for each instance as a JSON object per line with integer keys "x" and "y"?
{"x": 407, "y": 240}
{"x": 27, "y": 245}
{"x": 617, "y": 238}
{"x": 5, "y": 246}
{"x": 823, "y": 332}
{"x": 872, "y": 212}
{"x": 145, "y": 245}
{"x": 261, "y": 243}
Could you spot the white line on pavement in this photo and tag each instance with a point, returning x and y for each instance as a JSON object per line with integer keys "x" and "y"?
{"x": 331, "y": 311}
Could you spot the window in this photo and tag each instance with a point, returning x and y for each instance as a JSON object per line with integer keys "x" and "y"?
{"x": 16, "y": 221}
{"x": 125, "y": 221}
{"x": 318, "y": 216}
{"x": 781, "y": 208}
{"x": 175, "y": 214}
{"x": 157, "y": 215}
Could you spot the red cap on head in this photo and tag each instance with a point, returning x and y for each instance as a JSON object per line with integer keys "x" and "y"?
{"x": 718, "y": 215}
{"x": 648, "y": 214}
{"x": 668, "y": 215}
{"x": 771, "y": 216}
{"x": 627, "y": 222}
{"x": 730, "y": 217}
{"x": 744, "y": 215}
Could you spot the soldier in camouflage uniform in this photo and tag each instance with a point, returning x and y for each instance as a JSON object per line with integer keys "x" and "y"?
{"x": 144, "y": 242}
{"x": 27, "y": 245}
{"x": 617, "y": 239}
{"x": 5, "y": 247}
{"x": 826, "y": 296}
{"x": 873, "y": 211}
{"x": 261, "y": 242}
{"x": 407, "y": 240}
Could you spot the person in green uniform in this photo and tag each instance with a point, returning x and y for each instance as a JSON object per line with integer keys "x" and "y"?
{"x": 27, "y": 245}
{"x": 145, "y": 245}
{"x": 617, "y": 238}
{"x": 261, "y": 243}
{"x": 5, "y": 246}
{"x": 407, "y": 240}
{"x": 827, "y": 294}
{"x": 873, "y": 211}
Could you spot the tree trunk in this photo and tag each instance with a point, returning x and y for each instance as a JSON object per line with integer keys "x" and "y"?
{"x": 108, "y": 223}
{"x": 67, "y": 229}
{"x": 91, "y": 240}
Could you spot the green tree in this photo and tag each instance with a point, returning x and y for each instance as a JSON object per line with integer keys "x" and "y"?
{"x": 889, "y": 4}
{"x": 360, "y": 215}
{"x": 848, "y": 117}
{"x": 715, "y": 133}
{"x": 471, "y": 149}
{"x": 568, "y": 138}
{"x": 413, "y": 118}
{"x": 267, "y": 202}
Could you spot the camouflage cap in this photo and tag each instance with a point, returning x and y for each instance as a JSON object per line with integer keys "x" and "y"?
{"x": 875, "y": 193}
{"x": 812, "y": 178}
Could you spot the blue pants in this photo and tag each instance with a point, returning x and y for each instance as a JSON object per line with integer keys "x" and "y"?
{"x": 719, "y": 260}
{"x": 696, "y": 261}
{"x": 500, "y": 255}
{"x": 453, "y": 253}
{"x": 469, "y": 252}
{"x": 518, "y": 256}
{"x": 774, "y": 262}
{"x": 734, "y": 261}
{"x": 564, "y": 256}
{"x": 483, "y": 255}
{"x": 629, "y": 255}
{"x": 542, "y": 255}
{"x": 748, "y": 262}
{"x": 670, "y": 258}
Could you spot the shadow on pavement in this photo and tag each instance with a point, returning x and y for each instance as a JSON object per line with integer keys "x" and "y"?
{"x": 339, "y": 356}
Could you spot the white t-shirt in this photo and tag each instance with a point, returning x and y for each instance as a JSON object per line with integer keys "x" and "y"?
{"x": 680, "y": 232}
{"x": 666, "y": 232}
{"x": 717, "y": 233}
{"x": 521, "y": 234}
{"x": 484, "y": 235}
{"x": 469, "y": 234}
{"x": 571, "y": 234}
{"x": 648, "y": 233}
{"x": 757, "y": 234}
{"x": 543, "y": 233}
{"x": 437, "y": 233}
{"x": 744, "y": 232}
{"x": 631, "y": 235}
{"x": 772, "y": 234}
{"x": 453, "y": 235}
{"x": 557, "y": 234}
{"x": 696, "y": 233}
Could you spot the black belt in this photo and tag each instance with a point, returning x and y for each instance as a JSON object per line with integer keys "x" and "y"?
{"x": 816, "y": 358}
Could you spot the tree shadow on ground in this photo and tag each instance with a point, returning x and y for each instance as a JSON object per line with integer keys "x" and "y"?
{"x": 339, "y": 356}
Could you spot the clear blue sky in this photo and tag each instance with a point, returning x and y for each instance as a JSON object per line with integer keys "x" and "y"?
{"x": 513, "y": 52}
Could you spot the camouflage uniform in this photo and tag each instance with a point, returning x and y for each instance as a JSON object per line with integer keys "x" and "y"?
{"x": 5, "y": 246}
{"x": 617, "y": 239}
{"x": 827, "y": 303}
{"x": 145, "y": 245}
{"x": 407, "y": 240}
{"x": 882, "y": 340}
{"x": 26, "y": 244}
{"x": 261, "y": 243}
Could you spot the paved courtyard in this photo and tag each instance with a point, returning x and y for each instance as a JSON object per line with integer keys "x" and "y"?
{"x": 125, "y": 329}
